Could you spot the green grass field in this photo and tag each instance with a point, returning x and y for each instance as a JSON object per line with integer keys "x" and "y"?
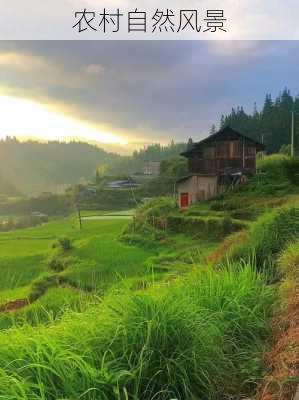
{"x": 98, "y": 255}
{"x": 97, "y": 263}
{"x": 124, "y": 310}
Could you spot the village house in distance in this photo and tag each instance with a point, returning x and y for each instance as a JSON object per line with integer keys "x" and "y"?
{"x": 222, "y": 160}
{"x": 151, "y": 168}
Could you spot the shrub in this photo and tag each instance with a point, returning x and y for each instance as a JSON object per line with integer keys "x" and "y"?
{"x": 291, "y": 169}
{"x": 211, "y": 227}
{"x": 149, "y": 221}
{"x": 41, "y": 285}
{"x": 142, "y": 234}
{"x": 57, "y": 263}
{"x": 278, "y": 166}
{"x": 226, "y": 205}
{"x": 271, "y": 164}
{"x": 247, "y": 213}
{"x": 65, "y": 243}
{"x": 158, "y": 207}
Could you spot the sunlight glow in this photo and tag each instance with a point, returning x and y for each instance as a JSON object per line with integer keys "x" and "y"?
{"x": 27, "y": 119}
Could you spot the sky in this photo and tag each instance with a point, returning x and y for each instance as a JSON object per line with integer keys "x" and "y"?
{"x": 136, "y": 92}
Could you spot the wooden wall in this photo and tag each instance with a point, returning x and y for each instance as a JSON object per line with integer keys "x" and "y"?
{"x": 223, "y": 154}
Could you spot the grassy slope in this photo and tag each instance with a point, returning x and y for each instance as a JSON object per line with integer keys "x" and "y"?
{"x": 191, "y": 331}
{"x": 199, "y": 337}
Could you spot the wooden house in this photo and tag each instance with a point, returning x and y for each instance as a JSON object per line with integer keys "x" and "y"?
{"x": 219, "y": 161}
{"x": 151, "y": 168}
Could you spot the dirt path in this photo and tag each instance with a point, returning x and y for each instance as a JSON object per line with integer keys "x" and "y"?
{"x": 14, "y": 305}
{"x": 282, "y": 378}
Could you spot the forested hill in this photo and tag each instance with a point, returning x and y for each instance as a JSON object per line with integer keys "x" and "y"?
{"x": 272, "y": 123}
{"x": 7, "y": 188}
{"x": 32, "y": 167}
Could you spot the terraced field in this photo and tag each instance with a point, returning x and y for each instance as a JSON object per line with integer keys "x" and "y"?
{"x": 146, "y": 310}
{"x": 33, "y": 289}
{"x": 97, "y": 257}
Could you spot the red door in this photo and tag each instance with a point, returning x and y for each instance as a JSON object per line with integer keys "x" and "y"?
{"x": 184, "y": 201}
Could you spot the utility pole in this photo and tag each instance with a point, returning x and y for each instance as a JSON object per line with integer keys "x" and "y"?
{"x": 79, "y": 216}
{"x": 243, "y": 152}
{"x": 292, "y": 136}
{"x": 262, "y": 141}
{"x": 76, "y": 203}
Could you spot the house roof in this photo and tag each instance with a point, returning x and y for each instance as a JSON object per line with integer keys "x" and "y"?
{"x": 226, "y": 133}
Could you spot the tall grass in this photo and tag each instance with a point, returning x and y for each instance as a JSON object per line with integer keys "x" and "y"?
{"x": 48, "y": 308}
{"x": 272, "y": 164}
{"x": 289, "y": 261}
{"x": 200, "y": 338}
{"x": 266, "y": 239}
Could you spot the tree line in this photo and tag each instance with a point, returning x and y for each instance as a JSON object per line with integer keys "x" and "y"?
{"x": 32, "y": 167}
{"x": 271, "y": 125}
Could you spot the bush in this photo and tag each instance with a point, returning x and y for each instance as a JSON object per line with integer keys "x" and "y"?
{"x": 291, "y": 169}
{"x": 41, "y": 285}
{"x": 150, "y": 221}
{"x": 211, "y": 227}
{"x": 65, "y": 243}
{"x": 226, "y": 205}
{"x": 246, "y": 213}
{"x": 272, "y": 165}
{"x": 142, "y": 234}
{"x": 278, "y": 166}
{"x": 158, "y": 207}
{"x": 57, "y": 263}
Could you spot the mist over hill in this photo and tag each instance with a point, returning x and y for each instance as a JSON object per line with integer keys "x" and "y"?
{"x": 7, "y": 188}
{"x": 32, "y": 167}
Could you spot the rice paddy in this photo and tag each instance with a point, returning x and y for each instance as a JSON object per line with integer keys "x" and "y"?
{"x": 88, "y": 315}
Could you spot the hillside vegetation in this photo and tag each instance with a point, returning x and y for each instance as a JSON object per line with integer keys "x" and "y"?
{"x": 169, "y": 305}
{"x": 271, "y": 124}
{"x": 33, "y": 167}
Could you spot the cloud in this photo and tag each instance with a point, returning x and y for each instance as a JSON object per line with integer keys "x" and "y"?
{"x": 23, "y": 62}
{"x": 94, "y": 70}
{"x": 148, "y": 90}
